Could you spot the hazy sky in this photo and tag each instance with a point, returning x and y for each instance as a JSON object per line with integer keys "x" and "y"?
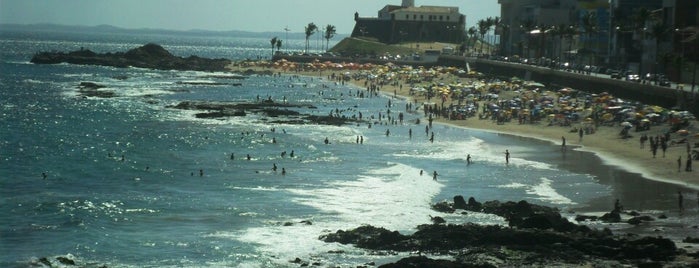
{"x": 218, "y": 15}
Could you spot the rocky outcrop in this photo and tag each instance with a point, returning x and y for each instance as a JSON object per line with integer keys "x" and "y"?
{"x": 537, "y": 235}
{"x": 151, "y": 56}
{"x": 269, "y": 108}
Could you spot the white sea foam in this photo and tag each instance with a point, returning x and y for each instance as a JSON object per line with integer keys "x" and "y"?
{"x": 395, "y": 198}
{"x": 480, "y": 151}
{"x": 543, "y": 191}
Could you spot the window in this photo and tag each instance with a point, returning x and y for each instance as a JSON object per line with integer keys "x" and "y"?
{"x": 421, "y": 17}
{"x": 407, "y": 17}
{"x": 440, "y": 17}
{"x": 414, "y": 17}
{"x": 447, "y": 17}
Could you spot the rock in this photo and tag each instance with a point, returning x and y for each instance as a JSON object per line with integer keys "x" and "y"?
{"x": 306, "y": 222}
{"x": 459, "y": 202}
{"x": 90, "y": 85}
{"x": 437, "y": 220}
{"x": 422, "y": 261}
{"x": 638, "y": 219}
{"x": 151, "y": 56}
{"x": 612, "y": 216}
{"x": 64, "y": 260}
{"x": 443, "y": 207}
{"x": 689, "y": 239}
{"x": 365, "y": 237}
{"x": 585, "y": 218}
{"x": 474, "y": 205}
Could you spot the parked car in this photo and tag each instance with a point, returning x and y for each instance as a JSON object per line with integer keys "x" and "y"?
{"x": 633, "y": 78}
{"x": 615, "y": 74}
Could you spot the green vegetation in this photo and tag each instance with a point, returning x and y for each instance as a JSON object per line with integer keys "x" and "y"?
{"x": 352, "y": 45}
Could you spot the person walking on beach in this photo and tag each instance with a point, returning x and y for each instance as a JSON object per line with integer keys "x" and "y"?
{"x": 507, "y": 156}
{"x": 432, "y": 138}
{"x": 563, "y": 142}
{"x": 580, "y": 134}
{"x": 410, "y": 133}
{"x": 388, "y": 132}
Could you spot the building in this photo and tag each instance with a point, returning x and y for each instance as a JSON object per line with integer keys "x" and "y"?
{"x": 527, "y": 26}
{"x": 408, "y": 23}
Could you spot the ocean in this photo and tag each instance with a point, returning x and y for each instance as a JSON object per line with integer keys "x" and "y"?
{"x": 130, "y": 182}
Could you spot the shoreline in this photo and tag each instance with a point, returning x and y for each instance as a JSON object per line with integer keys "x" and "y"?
{"x": 605, "y": 143}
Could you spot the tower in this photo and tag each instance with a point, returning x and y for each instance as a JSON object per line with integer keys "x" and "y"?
{"x": 408, "y": 3}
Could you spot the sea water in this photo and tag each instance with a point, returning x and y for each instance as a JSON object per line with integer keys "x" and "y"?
{"x": 131, "y": 182}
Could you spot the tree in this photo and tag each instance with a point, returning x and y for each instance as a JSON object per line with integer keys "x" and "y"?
{"x": 279, "y": 44}
{"x": 640, "y": 18}
{"x": 527, "y": 26}
{"x": 310, "y": 30}
{"x": 273, "y": 42}
{"x": 659, "y": 32}
{"x": 589, "y": 25}
{"x": 329, "y": 34}
{"x": 472, "y": 32}
{"x": 483, "y": 28}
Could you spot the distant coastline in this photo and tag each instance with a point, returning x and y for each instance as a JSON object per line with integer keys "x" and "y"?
{"x": 49, "y": 27}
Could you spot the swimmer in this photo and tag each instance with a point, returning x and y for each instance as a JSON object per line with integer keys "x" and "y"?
{"x": 292, "y": 154}
{"x": 274, "y": 167}
{"x": 43, "y": 174}
{"x": 249, "y": 157}
{"x": 434, "y": 175}
{"x": 201, "y": 173}
{"x": 283, "y": 171}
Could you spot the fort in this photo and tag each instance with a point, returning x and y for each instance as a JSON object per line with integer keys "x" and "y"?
{"x": 408, "y": 23}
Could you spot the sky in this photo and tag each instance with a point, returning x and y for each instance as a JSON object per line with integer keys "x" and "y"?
{"x": 218, "y": 15}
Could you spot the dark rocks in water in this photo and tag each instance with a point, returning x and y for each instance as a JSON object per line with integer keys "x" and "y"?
{"x": 253, "y": 72}
{"x": 422, "y": 261}
{"x": 437, "y": 220}
{"x": 639, "y": 219}
{"x": 538, "y": 234}
{"x": 90, "y": 85}
{"x": 474, "y": 205}
{"x": 692, "y": 240}
{"x": 612, "y": 216}
{"x": 459, "y": 202}
{"x": 65, "y": 260}
{"x": 443, "y": 207}
{"x": 267, "y": 107}
{"x": 366, "y": 236}
{"x": 151, "y": 56}
{"x": 91, "y": 89}
{"x": 585, "y": 218}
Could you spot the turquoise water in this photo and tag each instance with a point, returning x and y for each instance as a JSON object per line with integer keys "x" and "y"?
{"x": 154, "y": 209}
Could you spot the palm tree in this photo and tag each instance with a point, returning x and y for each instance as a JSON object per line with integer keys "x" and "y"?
{"x": 279, "y": 44}
{"x": 640, "y": 17}
{"x": 310, "y": 30}
{"x": 504, "y": 37}
{"x": 659, "y": 33}
{"x": 273, "y": 42}
{"x": 589, "y": 25}
{"x": 528, "y": 26}
{"x": 483, "y": 28}
{"x": 329, "y": 34}
{"x": 495, "y": 23}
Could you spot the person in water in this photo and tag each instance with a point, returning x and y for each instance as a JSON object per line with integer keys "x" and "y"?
{"x": 507, "y": 156}
{"x": 434, "y": 175}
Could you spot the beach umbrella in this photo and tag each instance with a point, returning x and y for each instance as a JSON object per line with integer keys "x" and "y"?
{"x": 626, "y": 124}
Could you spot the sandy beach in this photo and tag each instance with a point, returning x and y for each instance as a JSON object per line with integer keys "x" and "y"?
{"x": 605, "y": 141}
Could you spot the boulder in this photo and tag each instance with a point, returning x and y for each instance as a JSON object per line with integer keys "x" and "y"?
{"x": 459, "y": 202}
